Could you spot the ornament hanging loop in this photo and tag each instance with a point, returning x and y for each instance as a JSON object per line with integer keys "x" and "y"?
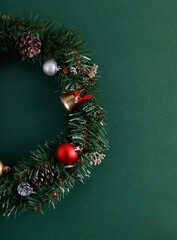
{"x": 78, "y": 148}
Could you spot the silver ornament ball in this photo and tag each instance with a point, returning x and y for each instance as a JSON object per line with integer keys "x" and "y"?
{"x": 50, "y": 67}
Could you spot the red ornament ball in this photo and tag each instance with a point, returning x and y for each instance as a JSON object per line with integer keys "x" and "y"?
{"x": 66, "y": 153}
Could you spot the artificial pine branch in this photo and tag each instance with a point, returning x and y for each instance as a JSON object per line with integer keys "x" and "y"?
{"x": 86, "y": 124}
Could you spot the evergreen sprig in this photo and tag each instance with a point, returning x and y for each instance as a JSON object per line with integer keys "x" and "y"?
{"x": 86, "y": 126}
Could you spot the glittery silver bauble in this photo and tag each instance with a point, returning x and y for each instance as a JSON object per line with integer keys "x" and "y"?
{"x": 50, "y": 67}
{"x": 24, "y": 189}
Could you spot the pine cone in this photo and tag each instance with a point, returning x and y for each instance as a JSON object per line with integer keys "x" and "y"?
{"x": 44, "y": 178}
{"x": 29, "y": 45}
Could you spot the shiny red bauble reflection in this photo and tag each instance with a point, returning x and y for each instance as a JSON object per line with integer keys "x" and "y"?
{"x": 66, "y": 153}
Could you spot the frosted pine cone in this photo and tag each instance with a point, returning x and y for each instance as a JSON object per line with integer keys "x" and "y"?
{"x": 24, "y": 189}
{"x": 29, "y": 45}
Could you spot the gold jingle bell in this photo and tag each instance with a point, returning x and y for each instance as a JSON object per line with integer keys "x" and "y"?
{"x": 72, "y": 99}
{"x": 3, "y": 168}
{"x": 69, "y": 101}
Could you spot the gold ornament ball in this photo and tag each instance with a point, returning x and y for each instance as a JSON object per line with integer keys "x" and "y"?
{"x": 3, "y": 168}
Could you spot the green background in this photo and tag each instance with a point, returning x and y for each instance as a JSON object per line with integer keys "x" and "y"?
{"x": 132, "y": 195}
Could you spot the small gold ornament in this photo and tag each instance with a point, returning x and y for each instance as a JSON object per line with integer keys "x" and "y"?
{"x": 69, "y": 101}
{"x": 3, "y": 168}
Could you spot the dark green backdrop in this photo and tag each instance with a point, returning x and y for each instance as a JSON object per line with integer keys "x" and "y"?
{"x": 133, "y": 194}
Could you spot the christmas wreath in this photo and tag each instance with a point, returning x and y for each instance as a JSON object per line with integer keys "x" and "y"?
{"x": 48, "y": 174}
